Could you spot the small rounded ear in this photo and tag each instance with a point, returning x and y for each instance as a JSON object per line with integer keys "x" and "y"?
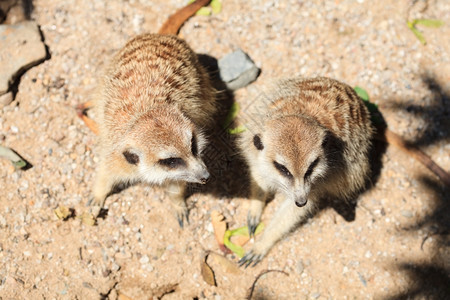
{"x": 326, "y": 141}
{"x": 132, "y": 158}
{"x": 257, "y": 142}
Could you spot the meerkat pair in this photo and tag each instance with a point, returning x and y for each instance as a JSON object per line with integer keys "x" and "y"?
{"x": 155, "y": 101}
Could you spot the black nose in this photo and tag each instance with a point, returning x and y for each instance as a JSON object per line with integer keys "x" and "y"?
{"x": 301, "y": 202}
{"x": 205, "y": 177}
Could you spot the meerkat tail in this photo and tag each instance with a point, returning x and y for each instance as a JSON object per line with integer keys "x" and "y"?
{"x": 393, "y": 139}
{"x": 81, "y": 113}
{"x": 175, "y": 21}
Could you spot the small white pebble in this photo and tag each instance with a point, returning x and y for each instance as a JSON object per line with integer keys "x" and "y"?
{"x": 115, "y": 267}
{"x": 144, "y": 259}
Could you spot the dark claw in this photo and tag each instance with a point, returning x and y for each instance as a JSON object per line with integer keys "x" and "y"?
{"x": 257, "y": 260}
{"x": 243, "y": 260}
{"x": 181, "y": 218}
{"x": 248, "y": 259}
{"x": 180, "y": 221}
{"x": 252, "y": 223}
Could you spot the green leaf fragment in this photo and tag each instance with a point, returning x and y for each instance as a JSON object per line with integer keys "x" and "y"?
{"x": 239, "y": 231}
{"x": 216, "y": 6}
{"x": 375, "y": 115}
{"x": 419, "y": 35}
{"x": 238, "y": 250}
{"x": 429, "y": 23}
{"x": 425, "y": 22}
{"x": 16, "y": 160}
{"x": 361, "y": 93}
{"x": 19, "y": 164}
{"x": 237, "y": 130}
{"x": 244, "y": 230}
{"x": 234, "y": 110}
{"x": 204, "y": 11}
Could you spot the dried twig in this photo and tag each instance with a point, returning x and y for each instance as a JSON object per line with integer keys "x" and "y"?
{"x": 252, "y": 288}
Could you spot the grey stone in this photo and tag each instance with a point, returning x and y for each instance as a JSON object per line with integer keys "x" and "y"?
{"x": 407, "y": 213}
{"x": 237, "y": 70}
{"x": 20, "y": 48}
{"x": 300, "y": 267}
{"x": 6, "y": 99}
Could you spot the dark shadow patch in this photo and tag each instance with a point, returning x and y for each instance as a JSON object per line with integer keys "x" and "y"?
{"x": 435, "y": 112}
{"x": 229, "y": 175}
{"x": 346, "y": 208}
{"x": 120, "y": 186}
{"x": 429, "y": 282}
{"x": 103, "y": 213}
{"x": 430, "y": 279}
{"x": 28, "y": 8}
{"x": 25, "y": 5}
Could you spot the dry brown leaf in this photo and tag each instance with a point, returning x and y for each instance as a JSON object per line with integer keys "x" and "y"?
{"x": 87, "y": 219}
{"x": 165, "y": 289}
{"x": 207, "y": 272}
{"x": 220, "y": 226}
{"x": 62, "y": 212}
{"x": 240, "y": 240}
{"x": 227, "y": 265}
{"x": 123, "y": 297}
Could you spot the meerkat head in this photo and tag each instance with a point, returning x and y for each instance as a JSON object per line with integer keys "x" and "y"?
{"x": 164, "y": 145}
{"x": 290, "y": 155}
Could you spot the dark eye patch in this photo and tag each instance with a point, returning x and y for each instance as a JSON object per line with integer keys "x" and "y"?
{"x": 172, "y": 162}
{"x": 311, "y": 168}
{"x": 132, "y": 158}
{"x": 283, "y": 170}
{"x": 257, "y": 142}
{"x": 194, "y": 147}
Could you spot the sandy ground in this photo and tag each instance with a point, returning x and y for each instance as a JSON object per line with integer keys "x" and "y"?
{"x": 397, "y": 246}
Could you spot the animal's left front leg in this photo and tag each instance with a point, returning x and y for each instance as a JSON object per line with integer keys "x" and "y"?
{"x": 285, "y": 219}
{"x": 176, "y": 193}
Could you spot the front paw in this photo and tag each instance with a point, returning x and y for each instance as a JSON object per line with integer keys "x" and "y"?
{"x": 182, "y": 215}
{"x": 253, "y": 257}
{"x": 96, "y": 201}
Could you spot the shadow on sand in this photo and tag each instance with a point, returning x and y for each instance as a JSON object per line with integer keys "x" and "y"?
{"x": 431, "y": 279}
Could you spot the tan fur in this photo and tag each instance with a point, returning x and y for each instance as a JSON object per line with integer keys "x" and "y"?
{"x": 306, "y": 120}
{"x": 154, "y": 101}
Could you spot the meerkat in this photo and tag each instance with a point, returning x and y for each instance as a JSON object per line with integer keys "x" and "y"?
{"x": 154, "y": 104}
{"x": 313, "y": 142}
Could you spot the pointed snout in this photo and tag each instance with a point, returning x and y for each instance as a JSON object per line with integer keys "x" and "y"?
{"x": 301, "y": 201}
{"x": 300, "y": 197}
{"x": 203, "y": 177}
{"x": 199, "y": 172}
